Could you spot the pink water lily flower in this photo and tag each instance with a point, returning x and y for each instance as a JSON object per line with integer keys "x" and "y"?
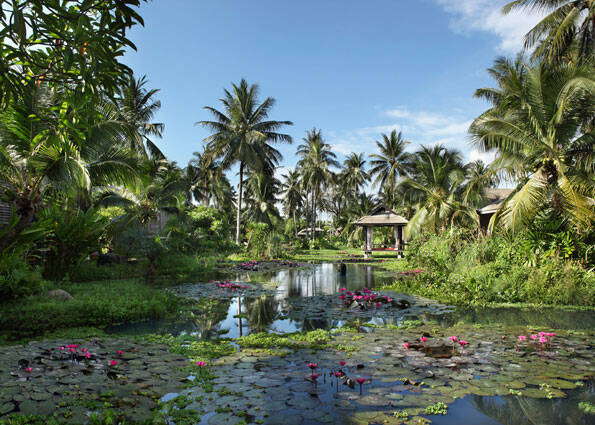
{"x": 338, "y": 374}
{"x": 113, "y": 362}
{"x": 119, "y": 352}
{"x": 342, "y": 289}
{"x": 360, "y": 381}
{"x": 423, "y": 339}
{"x": 315, "y": 376}
{"x": 542, "y": 339}
{"x": 533, "y": 337}
{"x": 341, "y": 297}
{"x": 342, "y": 363}
{"x": 406, "y": 345}
{"x": 551, "y": 334}
{"x": 522, "y": 338}
{"x": 462, "y": 342}
{"x": 87, "y": 354}
{"x": 312, "y": 365}
{"x": 453, "y": 338}
{"x": 200, "y": 363}
{"x": 28, "y": 370}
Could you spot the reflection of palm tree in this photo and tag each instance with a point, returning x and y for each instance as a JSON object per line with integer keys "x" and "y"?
{"x": 261, "y": 312}
{"x": 208, "y": 320}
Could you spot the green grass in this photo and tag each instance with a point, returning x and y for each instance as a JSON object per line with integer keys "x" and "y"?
{"x": 95, "y": 305}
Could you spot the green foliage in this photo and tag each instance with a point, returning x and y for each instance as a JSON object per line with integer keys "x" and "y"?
{"x": 17, "y": 278}
{"x": 458, "y": 268}
{"x": 96, "y": 304}
{"x": 202, "y": 229}
{"x": 317, "y": 339}
{"x": 71, "y": 235}
{"x": 436, "y": 409}
{"x": 69, "y": 44}
{"x": 188, "y": 346}
{"x": 588, "y": 408}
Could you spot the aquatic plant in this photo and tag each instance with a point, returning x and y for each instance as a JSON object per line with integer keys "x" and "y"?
{"x": 360, "y": 381}
{"x": 436, "y": 409}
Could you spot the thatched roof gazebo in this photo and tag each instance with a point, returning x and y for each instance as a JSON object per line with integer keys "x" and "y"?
{"x": 382, "y": 217}
{"x": 494, "y": 198}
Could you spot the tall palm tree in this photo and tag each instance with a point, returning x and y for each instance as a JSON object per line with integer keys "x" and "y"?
{"x": 567, "y": 31}
{"x": 543, "y": 138}
{"x": 433, "y": 186}
{"x": 316, "y": 160}
{"x": 242, "y": 134}
{"x": 354, "y": 172}
{"x": 46, "y": 150}
{"x": 391, "y": 163}
{"x": 138, "y": 107}
{"x": 292, "y": 194}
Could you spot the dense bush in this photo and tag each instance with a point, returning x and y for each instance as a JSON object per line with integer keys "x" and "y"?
{"x": 458, "y": 267}
{"x": 70, "y": 236}
{"x": 17, "y": 277}
{"x": 200, "y": 230}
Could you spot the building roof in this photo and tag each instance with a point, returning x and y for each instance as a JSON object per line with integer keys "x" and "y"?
{"x": 382, "y": 216}
{"x": 308, "y": 230}
{"x": 494, "y": 198}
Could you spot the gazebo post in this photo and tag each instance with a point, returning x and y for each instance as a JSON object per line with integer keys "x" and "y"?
{"x": 369, "y": 241}
{"x": 399, "y": 240}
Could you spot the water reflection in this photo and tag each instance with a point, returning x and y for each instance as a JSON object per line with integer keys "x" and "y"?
{"x": 513, "y": 410}
{"x": 321, "y": 279}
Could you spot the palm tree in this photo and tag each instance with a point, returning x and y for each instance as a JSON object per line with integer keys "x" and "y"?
{"x": 316, "y": 160}
{"x": 204, "y": 173}
{"x": 46, "y": 151}
{"x": 354, "y": 173}
{"x": 138, "y": 107}
{"x": 479, "y": 177}
{"x": 261, "y": 198}
{"x": 161, "y": 189}
{"x": 242, "y": 133}
{"x": 567, "y": 31}
{"x": 436, "y": 178}
{"x": 361, "y": 206}
{"x": 391, "y": 163}
{"x": 292, "y": 195}
{"x": 542, "y": 135}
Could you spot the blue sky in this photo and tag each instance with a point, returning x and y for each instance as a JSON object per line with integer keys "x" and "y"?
{"x": 353, "y": 68}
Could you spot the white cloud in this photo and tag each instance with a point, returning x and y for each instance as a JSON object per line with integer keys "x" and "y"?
{"x": 486, "y": 15}
{"x": 486, "y": 157}
{"x": 419, "y": 126}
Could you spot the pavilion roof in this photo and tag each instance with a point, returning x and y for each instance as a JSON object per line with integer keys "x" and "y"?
{"x": 382, "y": 216}
{"x": 494, "y": 198}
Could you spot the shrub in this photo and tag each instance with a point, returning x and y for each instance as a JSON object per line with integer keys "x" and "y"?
{"x": 17, "y": 278}
{"x": 70, "y": 236}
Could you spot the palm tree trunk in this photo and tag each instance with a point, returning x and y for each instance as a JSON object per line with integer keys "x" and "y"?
{"x": 294, "y": 224}
{"x": 239, "y": 214}
{"x": 313, "y": 235}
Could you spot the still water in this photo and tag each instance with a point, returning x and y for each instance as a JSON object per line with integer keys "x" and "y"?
{"x": 303, "y": 299}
